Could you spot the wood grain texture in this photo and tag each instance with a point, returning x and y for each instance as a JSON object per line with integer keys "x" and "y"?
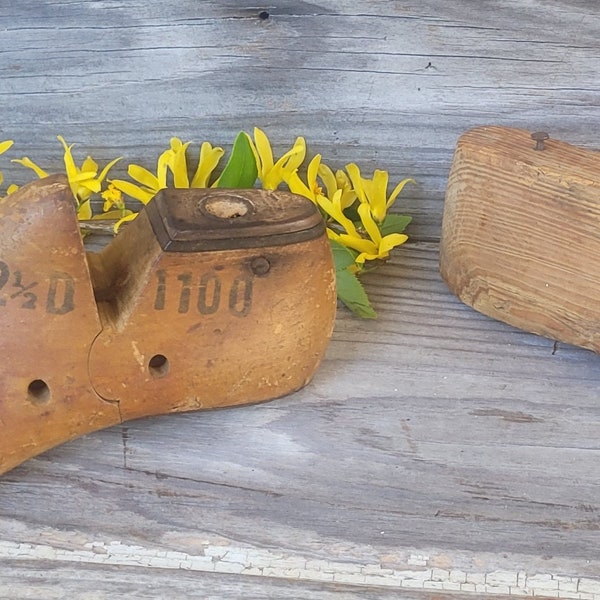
{"x": 501, "y": 251}
{"x": 53, "y": 581}
{"x": 386, "y": 84}
{"x": 433, "y": 442}
{"x": 155, "y": 324}
{"x": 46, "y": 295}
{"x": 433, "y": 432}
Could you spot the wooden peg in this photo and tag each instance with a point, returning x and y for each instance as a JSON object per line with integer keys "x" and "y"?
{"x": 520, "y": 238}
{"x": 209, "y": 298}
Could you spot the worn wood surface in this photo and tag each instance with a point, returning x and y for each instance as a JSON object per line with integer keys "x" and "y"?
{"x": 56, "y": 581}
{"x": 217, "y": 285}
{"x": 46, "y": 393}
{"x": 499, "y": 250}
{"x": 436, "y": 449}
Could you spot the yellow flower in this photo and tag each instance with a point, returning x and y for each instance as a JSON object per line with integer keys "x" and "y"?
{"x": 207, "y": 162}
{"x": 374, "y": 191}
{"x": 114, "y": 207}
{"x": 378, "y": 246}
{"x": 311, "y": 189}
{"x": 343, "y": 183}
{"x": 84, "y": 211}
{"x": 130, "y": 217}
{"x": 149, "y": 184}
{"x": 27, "y": 162}
{"x": 340, "y": 194}
{"x": 333, "y": 183}
{"x": 4, "y": 146}
{"x": 84, "y": 180}
{"x": 333, "y": 209}
{"x": 173, "y": 160}
{"x": 332, "y": 203}
{"x": 332, "y": 206}
{"x": 113, "y": 197}
{"x": 177, "y": 163}
{"x": 270, "y": 173}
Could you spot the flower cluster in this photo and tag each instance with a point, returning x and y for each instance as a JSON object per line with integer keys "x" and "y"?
{"x": 347, "y": 194}
{"x": 355, "y": 208}
{"x": 84, "y": 182}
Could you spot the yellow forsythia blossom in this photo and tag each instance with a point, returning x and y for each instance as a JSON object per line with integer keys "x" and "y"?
{"x": 272, "y": 174}
{"x": 84, "y": 181}
{"x": 172, "y": 160}
{"x": 374, "y": 191}
{"x": 341, "y": 192}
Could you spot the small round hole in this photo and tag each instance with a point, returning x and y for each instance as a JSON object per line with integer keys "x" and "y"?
{"x": 38, "y": 391}
{"x": 263, "y": 15}
{"x": 158, "y": 365}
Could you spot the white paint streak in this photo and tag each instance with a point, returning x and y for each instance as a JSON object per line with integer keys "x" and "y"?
{"x": 263, "y": 563}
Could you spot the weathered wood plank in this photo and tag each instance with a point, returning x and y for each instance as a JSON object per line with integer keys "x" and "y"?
{"x": 56, "y": 581}
{"x": 434, "y": 443}
{"x": 380, "y": 83}
{"x": 452, "y": 437}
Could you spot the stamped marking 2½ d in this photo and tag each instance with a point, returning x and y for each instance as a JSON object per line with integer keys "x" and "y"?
{"x": 205, "y": 293}
{"x": 17, "y": 289}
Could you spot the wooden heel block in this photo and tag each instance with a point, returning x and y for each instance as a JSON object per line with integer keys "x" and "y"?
{"x": 209, "y": 298}
{"x": 521, "y": 233}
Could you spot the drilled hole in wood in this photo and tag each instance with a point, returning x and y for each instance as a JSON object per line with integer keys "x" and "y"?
{"x": 263, "y": 15}
{"x": 38, "y": 391}
{"x": 158, "y": 365}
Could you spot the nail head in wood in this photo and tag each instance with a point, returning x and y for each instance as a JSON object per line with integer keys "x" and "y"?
{"x": 539, "y": 137}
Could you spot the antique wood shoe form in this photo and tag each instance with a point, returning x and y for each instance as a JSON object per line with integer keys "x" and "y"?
{"x": 209, "y": 298}
{"x": 521, "y": 232}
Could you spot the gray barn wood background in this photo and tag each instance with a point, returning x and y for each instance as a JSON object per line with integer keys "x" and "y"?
{"x": 387, "y": 84}
{"x": 436, "y": 449}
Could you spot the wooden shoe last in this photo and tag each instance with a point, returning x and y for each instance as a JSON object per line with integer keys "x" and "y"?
{"x": 209, "y": 298}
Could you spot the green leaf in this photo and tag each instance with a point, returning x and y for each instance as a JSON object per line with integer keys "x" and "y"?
{"x": 240, "y": 171}
{"x": 342, "y": 257}
{"x": 351, "y": 292}
{"x": 394, "y": 224}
